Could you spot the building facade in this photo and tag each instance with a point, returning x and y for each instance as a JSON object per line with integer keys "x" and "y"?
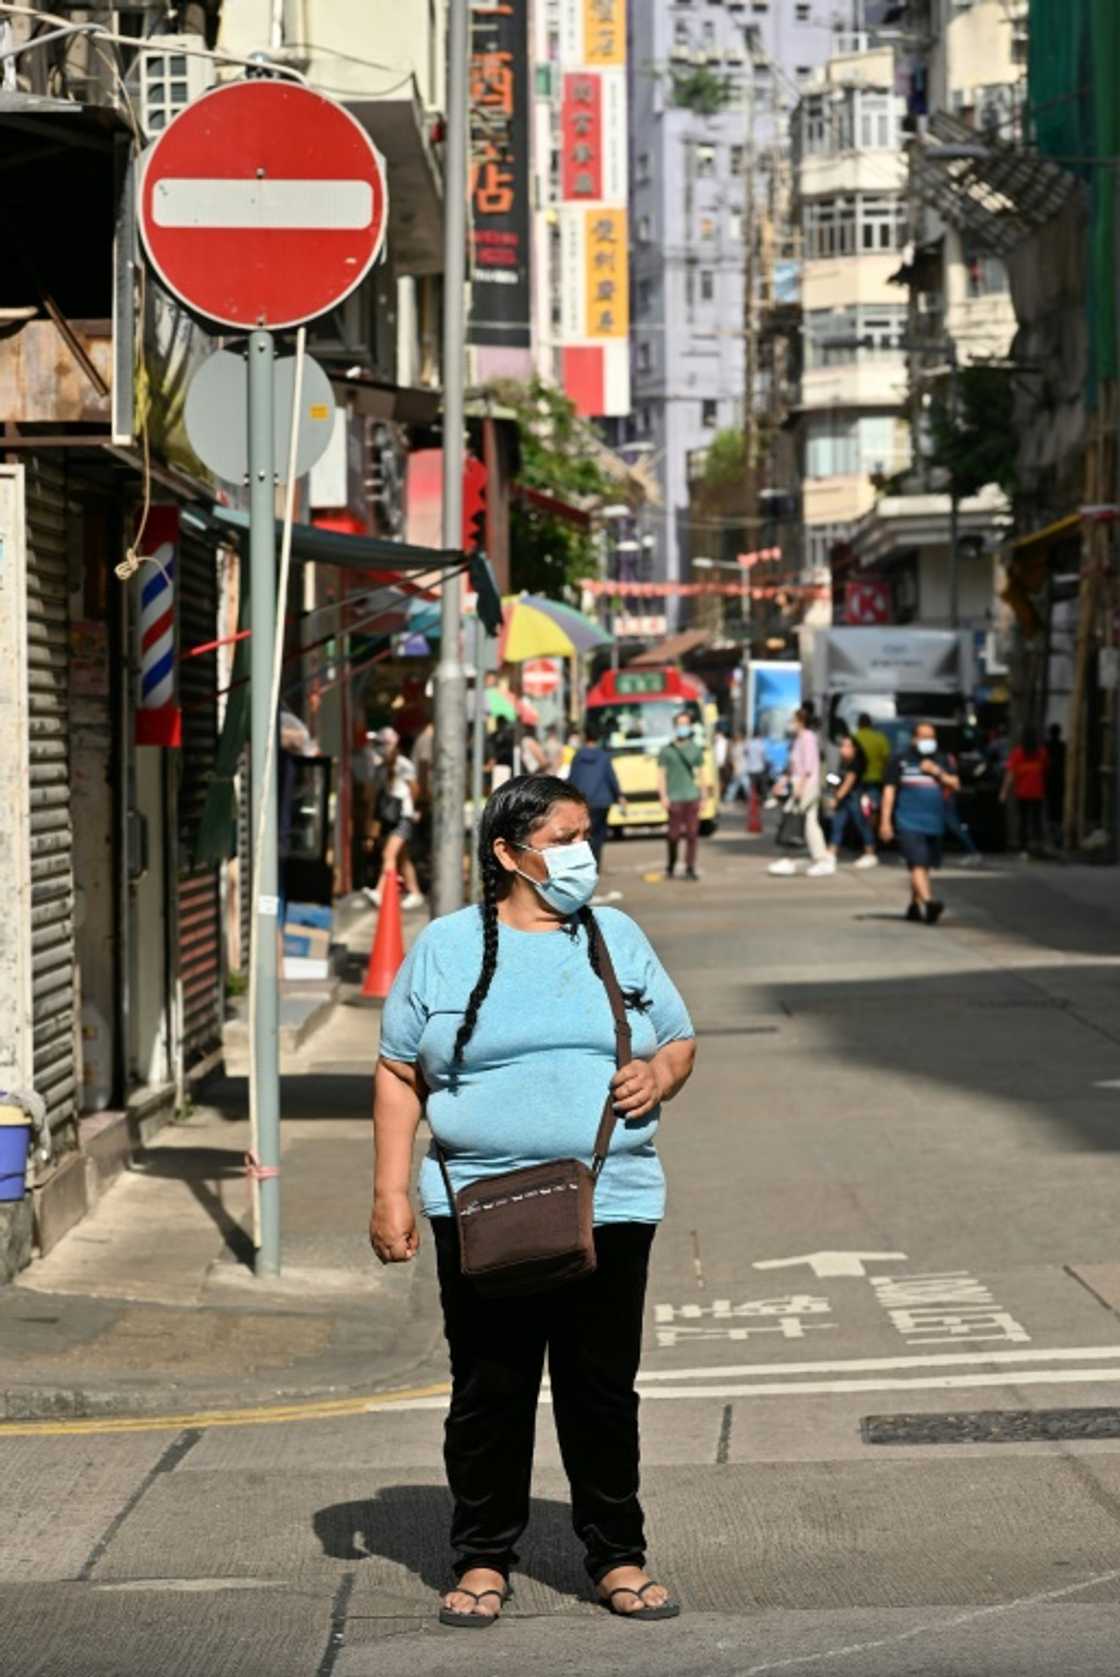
{"x": 711, "y": 87}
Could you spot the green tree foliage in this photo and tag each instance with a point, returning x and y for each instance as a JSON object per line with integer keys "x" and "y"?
{"x": 701, "y": 90}
{"x": 981, "y": 447}
{"x": 726, "y": 459}
{"x": 559, "y": 457}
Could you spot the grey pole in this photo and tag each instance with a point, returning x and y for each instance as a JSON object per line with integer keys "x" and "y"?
{"x": 954, "y": 502}
{"x": 450, "y": 681}
{"x": 478, "y": 746}
{"x": 262, "y": 618}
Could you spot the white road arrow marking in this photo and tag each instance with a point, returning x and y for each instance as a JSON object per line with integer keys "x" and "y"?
{"x": 299, "y": 205}
{"x": 825, "y": 1264}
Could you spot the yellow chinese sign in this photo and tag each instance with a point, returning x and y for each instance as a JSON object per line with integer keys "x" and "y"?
{"x": 604, "y": 31}
{"x": 607, "y": 297}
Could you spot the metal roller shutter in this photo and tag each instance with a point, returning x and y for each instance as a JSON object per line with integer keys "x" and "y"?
{"x": 200, "y": 960}
{"x": 52, "y": 869}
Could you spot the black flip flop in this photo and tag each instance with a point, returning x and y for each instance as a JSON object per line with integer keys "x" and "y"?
{"x": 668, "y": 1610}
{"x": 473, "y": 1621}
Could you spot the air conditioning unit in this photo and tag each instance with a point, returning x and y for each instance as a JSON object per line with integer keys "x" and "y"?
{"x": 734, "y": 55}
{"x": 171, "y": 78}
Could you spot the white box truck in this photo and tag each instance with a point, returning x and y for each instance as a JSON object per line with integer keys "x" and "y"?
{"x": 894, "y": 675}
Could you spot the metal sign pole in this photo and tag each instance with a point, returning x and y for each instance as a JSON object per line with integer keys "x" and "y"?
{"x": 265, "y": 1069}
{"x": 478, "y": 748}
{"x": 450, "y": 682}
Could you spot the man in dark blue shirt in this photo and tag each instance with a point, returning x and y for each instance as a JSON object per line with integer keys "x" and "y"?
{"x": 592, "y": 773}
{"x": 914, "y": 809}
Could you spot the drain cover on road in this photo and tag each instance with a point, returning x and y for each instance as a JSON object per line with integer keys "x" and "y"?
{"x": 991, "y": 1426}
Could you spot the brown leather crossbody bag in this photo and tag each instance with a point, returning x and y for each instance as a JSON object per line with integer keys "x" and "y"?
{"x": 528, "y": 1231}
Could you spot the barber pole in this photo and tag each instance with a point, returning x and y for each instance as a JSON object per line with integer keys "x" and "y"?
{"x": 158, "y": 719}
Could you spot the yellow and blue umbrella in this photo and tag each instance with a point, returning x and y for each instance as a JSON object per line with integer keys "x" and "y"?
{"x": 533, "y": 627}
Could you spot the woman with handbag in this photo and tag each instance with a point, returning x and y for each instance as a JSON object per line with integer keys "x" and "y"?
{"x": 518, "y": 1028}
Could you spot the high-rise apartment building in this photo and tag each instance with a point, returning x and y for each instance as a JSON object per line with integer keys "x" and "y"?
{"x": 712, "y": 85}
{"x": 852, "y": 208}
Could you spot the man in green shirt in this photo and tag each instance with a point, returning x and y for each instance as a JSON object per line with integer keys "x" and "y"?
{"x": 876, "y": 747}
{"x": 679, "y": 771}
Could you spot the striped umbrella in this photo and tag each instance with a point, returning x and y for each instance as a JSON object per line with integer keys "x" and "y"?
{"x": 533, "y": 627}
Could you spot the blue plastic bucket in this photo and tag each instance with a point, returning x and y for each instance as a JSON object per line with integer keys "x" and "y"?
{"x": 15, "y": 1140}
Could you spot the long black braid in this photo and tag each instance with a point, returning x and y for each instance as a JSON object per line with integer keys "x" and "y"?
{"x": 513, "y": 813}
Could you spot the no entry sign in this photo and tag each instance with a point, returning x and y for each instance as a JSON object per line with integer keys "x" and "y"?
{"x": 263, "y": 205}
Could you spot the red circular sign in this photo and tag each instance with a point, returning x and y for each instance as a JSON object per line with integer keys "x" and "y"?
{"x": 263, "y": 204}
{"x": 540, "y": 676}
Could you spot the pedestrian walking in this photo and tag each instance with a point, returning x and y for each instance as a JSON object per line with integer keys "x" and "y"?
{"x": 737, "y": 784}
{"x": 591, "y": 773}
{"x": 1055, "y": 782}
{"x": 397, "y": 790}
{"x": 515, "y": 1076}
{"x": 679, "y": 770}
{"x": 848, "y": 808}
{"x": 804, "y": 788}
{"x": 914, "y": 809}
{"x": 1025, "y": 776}
{"x": 876, "y": 748}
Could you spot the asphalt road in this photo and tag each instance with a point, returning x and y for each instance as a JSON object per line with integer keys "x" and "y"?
{"x": 894, "y": 1182}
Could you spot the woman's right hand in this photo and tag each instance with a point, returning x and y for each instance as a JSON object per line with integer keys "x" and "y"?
{"x": 392, "y": 1228}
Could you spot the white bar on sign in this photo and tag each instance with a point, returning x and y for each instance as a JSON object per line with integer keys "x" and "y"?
{"x": 336, "y": 206}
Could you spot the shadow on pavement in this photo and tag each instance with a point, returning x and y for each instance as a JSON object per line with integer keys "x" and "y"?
{"x": 409, "y": 1524}
{"x": 312, "y": 1095}
{"x": 200, "y": 1169}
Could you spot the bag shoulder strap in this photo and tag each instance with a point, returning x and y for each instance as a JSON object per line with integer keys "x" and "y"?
{"x": 623, "y": 1049}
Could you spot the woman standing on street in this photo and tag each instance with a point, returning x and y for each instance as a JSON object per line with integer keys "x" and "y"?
{"x": 1025, "y": 775}
{"x": 499, "y": 1029}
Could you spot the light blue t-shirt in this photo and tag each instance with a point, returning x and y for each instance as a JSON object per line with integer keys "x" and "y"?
{"x": 535, "y": 1073}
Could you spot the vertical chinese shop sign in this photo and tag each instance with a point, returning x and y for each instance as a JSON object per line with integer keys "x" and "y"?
{"x": 499, "y": 174}
{"x": 594, "y": 231}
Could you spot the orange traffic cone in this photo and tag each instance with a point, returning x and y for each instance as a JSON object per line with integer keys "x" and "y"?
{"x": 754, "y": 812}
{"x": 387, "y": 952}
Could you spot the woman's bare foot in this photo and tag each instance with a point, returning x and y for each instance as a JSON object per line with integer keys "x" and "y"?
{"x": 479, "y": 1581}
{"x": 631, "y": 1578}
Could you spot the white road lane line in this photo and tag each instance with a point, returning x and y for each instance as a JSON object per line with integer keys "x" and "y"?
{"x": 856, "y": 1365}
{"x": 935, "y": 1629}
{"x": 791, "y": 1388}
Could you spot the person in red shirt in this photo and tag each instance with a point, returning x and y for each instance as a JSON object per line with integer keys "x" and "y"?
{"x": 1025, "y": 776}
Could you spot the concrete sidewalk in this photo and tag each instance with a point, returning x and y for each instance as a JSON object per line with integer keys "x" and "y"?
{"x": 150, "y": 1305}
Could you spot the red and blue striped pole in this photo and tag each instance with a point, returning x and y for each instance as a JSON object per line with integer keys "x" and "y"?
{"x": 158, "y": 718}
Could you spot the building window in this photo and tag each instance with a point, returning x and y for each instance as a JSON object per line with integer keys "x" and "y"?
{"x": 803, "y": 72}
{"x": 709, "y": 29}
{"x": 841, "y": 446}
{"x": 645, "y": 358}
{"x": 709, "y": 413}
{"x": 689, "y": 288}
{"x": 840, "y": 337}
{"x": 736, "y": 159}
{"x": 881, "y": 222}
{"x": 861, "y": 221}
{"x": 705, "y": 161}
{"x": 707, "y": 227}
{"x": 645, "y": 230}
{"x": 735, "y": 225}
{"x": 645, "y": 296}
{"x": 802, "y": 11}
{"x": 707, "y": 285}
{"x": 986, "y": 275}
{"x": 680, "y": 32}
{"x": 642, "y": 167}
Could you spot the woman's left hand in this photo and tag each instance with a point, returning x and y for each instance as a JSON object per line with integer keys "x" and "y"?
{"x": 637, "y": 1089}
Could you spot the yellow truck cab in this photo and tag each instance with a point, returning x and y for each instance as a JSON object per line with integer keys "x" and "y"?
{"x": 632, "y": 712}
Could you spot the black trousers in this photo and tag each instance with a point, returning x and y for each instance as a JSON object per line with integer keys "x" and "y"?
{"x": 592, "y": 1332}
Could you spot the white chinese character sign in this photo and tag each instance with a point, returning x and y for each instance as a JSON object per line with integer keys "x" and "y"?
{"x": 594, "y": 232}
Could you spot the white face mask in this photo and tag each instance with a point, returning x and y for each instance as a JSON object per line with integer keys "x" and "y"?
{"x": 573, "y": 874}
{"x": 926, "y": 746}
